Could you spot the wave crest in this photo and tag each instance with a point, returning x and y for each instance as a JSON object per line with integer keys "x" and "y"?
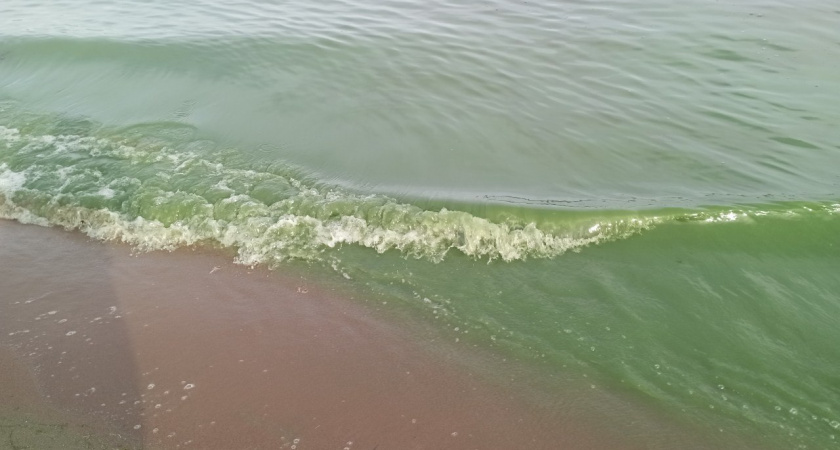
{"x": 154, "y": 194}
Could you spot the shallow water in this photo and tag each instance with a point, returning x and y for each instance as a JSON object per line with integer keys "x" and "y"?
{"x": 641, "y": 193}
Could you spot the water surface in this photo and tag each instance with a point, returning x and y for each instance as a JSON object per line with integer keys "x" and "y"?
{"x": 643, "y": 194}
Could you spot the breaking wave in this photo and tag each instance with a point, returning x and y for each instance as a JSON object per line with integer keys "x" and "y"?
{"x": 144, "y": 188}
{"x": 155, "y": 195}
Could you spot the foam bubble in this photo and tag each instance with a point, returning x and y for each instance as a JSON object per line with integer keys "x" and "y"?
{"x": 10, "y": 181}
{"x": 106, "y": 192}
{"x": 10, "y": 135}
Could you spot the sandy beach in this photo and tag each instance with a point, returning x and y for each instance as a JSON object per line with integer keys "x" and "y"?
{"x": 184, "y": 349}
{"x": 390, "y": 224}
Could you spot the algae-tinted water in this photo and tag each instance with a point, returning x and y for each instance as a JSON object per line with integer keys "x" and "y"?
{"x": 645, "y": 193}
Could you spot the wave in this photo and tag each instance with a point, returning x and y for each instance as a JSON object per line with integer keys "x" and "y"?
{"x": 157, "y": 187}
{"x": 155, "y": 194}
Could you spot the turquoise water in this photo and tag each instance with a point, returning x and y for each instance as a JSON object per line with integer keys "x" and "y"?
{"x": 644, "y": 193}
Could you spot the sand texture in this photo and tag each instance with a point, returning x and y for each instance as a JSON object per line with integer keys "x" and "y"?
{"x": 186, "y": 350}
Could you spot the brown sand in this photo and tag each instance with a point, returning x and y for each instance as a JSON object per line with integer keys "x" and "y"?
{"x": 184, "y": 349}
{"x": 102, "y": 349}
{"x": 27, "y": 422}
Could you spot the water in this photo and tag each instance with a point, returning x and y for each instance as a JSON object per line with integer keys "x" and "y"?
{"x": 641, "y": 193}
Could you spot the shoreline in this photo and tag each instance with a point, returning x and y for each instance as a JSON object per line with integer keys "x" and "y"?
{"x": 187, "y": 349}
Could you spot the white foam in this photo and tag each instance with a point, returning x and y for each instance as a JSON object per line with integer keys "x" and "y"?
{"x": 10, "y": 181}
{"x": 106, "y": 192}
{"x": 9, "y": 135}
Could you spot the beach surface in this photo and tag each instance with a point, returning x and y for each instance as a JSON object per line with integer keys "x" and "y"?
{"x": 101, "y": 347}
{"x": 497, "y": 224}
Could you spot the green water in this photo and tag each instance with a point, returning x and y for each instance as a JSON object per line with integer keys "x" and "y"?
{"x": 642, "y": 193}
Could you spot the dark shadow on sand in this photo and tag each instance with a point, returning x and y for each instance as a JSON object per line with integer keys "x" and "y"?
{"x": 70, "y": 379}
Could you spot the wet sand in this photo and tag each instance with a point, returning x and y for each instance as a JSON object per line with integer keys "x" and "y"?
{"x": 102, "y": 348}
{"x": 185, "y": 349}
